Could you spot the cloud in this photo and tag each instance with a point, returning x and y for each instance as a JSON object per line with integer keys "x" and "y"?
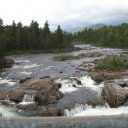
{"x": 70, "y": 14}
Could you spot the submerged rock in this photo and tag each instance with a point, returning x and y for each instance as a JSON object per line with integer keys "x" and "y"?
{"x": 51, "y": 111}
{"x": 114, "y": 94}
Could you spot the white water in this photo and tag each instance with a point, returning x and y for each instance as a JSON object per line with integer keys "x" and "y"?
{"x": 27, "y": 99}
{"x": 84, "y": 109}
{"x": 8, "y": 81}
{"x": 88, "y": 110}
{"x": 21, "y": 60}
{"x": 68, "y": 84}
{"x": 26, "y": 73}
{"x": 8, "y": 111}
{"x": 26, "y": 66}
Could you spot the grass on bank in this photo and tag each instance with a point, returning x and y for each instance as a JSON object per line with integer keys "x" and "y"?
{"x": 113, "y": 64}
{"x": 65, "y": 57}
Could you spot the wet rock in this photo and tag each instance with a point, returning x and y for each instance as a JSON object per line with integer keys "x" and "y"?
{"x": 114, "y": 94}
{"x": 25, "y": 79}
{"x": 61, "y": 72}
{"x": 16, "y": 95}
{"x": 47, "y": 91}
{"x": 51, "y": 111}
{"x": 121, "y": 83}
{"x": 41, "y": 84}
{"x": 27, "y": 106}
{"x": 74, "y": 85}
{"x": 2, "y": 95}
{"x": 45, "y": 77}
{"x": 104, "y": 75}
{"x": 78, "y": 82}
{"x": 86, "y": 66}
{"x": 58, "y": 85}
{"x": 6, "y": 63}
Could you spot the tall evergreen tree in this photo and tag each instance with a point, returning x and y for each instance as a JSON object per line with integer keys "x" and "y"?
{"x": 59, "y": 37}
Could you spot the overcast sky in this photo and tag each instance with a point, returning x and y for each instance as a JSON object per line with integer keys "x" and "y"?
{"x": 70, "y": 14}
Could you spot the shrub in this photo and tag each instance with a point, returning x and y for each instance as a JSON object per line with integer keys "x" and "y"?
{"x": 65, "y": 57}
{"x": 113, "y": 64}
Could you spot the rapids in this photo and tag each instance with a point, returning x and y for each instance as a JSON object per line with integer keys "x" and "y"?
{"x": 82, "y": 96}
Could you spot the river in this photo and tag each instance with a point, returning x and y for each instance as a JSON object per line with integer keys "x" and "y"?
{"x": 76, "y": 98}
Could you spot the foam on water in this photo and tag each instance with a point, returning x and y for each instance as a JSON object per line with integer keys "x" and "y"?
{"x": 88, "y": 82}
{"x": 30, "y": 66}
{"x": 7, "y": 111}
{"x": 26, "y": 73}
{"x": 88, "y": 110}
{"x": 67, "y": 85}
{"x": 70, "y": 85}
{"x": 8, "y": 81}
{"x": 21, "y": 60}
{"x": 25, "y": 66}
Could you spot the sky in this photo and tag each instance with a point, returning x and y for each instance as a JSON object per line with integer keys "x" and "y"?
{"x": 69, "y": 14}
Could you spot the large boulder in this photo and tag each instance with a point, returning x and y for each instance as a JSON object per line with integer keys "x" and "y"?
{"x": 114, "y": 94}
{"x": 41, "y": 84}
{"x": 47, "y": 91}
{"x": 104, "y": 75}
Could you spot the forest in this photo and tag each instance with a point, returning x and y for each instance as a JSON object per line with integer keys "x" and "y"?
{"x": 107, "y": 36}
{"x": 17, "y": 37}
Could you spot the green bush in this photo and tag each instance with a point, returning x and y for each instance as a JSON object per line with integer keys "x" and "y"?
{"x": 65, "y": 57}
{"x": 113, "y": 64}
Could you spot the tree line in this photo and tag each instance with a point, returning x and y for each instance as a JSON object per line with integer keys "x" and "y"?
{"x": 107, "y": 36}
{"x": 16, "y": 37}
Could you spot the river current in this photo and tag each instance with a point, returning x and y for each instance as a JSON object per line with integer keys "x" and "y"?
{"x": 76, "y": 98}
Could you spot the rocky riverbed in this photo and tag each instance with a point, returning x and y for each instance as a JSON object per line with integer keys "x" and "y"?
{"x": 37, "y": 85}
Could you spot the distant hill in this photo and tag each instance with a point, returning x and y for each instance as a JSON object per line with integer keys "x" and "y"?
{"x": 96, "y": 26}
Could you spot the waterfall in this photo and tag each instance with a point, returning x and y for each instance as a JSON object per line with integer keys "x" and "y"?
{"x": 77, "y": 109}
{"x": 28, "y": 98}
